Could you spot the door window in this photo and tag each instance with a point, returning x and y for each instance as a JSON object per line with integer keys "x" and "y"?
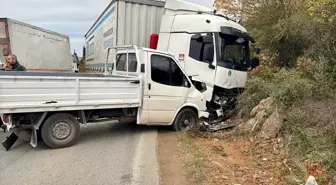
{"x": 132, "y": 62}
{"x": 165, "y": 71}
{"x": 202, "y": 48}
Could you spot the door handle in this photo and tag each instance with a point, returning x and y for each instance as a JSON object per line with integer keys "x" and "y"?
{"x": 135, "y": 82}
{"x": 149, "y": 86}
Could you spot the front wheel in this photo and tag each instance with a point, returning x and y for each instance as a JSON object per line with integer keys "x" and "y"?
{"x": 185, "y": 120}
{"x": 60, "y": 130}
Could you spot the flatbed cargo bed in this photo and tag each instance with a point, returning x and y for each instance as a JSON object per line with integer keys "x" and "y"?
{"x": 22, "y": 92}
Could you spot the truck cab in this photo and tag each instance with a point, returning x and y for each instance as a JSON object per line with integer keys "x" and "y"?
{"x": 167, "y": 88}
{"x": 214, "y": 51}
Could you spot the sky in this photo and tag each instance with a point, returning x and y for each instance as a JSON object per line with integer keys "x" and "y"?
{"x": 69, "y": 17}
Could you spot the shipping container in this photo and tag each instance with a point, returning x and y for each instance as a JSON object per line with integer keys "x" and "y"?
{"x": 123, "y": 22}
{"x": 36, "y": 48}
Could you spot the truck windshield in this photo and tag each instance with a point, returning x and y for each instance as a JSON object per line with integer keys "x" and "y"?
{"x": 233, "y": 52}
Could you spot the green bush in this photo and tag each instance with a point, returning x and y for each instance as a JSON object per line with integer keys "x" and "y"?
{"x": 285, "y": 86}
{"x": 308, "y": 103}
{"x": 311, "y": 125}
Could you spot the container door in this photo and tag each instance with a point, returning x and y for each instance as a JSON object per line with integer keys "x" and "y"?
{"x": 4, "y": 40}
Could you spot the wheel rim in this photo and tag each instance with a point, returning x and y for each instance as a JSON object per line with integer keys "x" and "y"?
{"x": 186, "y": 122}
{"x": 61, "y": 130}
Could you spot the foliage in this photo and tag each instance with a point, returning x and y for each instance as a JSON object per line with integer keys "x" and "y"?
{"x": 287, "y": 28}
{"x": 322, "y": 10}
{"x": 309, "y": 109}
{"x": 300, "y": 34}
{"x": 311, "y": 123}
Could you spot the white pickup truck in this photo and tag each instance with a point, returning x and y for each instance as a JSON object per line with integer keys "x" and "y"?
{"x": 148, "y": 86}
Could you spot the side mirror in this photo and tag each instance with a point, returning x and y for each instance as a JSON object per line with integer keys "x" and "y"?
{"x": 257, "y": 50}
{"x": 255, "y": 62}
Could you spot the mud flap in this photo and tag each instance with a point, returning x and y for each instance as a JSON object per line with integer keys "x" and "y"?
{"x": 33, "y": 139}
{"x": 9, "y": 141}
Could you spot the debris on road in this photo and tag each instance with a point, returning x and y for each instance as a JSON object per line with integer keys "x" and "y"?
{"x": 311, "y": 181}
{"x": 9, "y": 141}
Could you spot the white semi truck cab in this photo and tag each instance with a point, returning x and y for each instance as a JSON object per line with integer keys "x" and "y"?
{"x": 212, "y": 49}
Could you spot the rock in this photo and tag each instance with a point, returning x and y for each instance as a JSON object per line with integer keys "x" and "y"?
{"x": 264, "y": 159}
{"x": 217, "y": 164}
{"x": 216, "y": 140}
{"x": 240, "y": 114}
{"x": 247, "y": 127}
{"x": 260, "y": 116}
{"x": 271, "y": 127}
{"x": 225, "y": 177}
{"x": 253, "y": 122}
{"x": 311, "y": 181}
{"x": 265, "y": 104}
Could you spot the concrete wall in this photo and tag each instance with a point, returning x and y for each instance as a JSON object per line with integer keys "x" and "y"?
{"x": 39, "y": 49}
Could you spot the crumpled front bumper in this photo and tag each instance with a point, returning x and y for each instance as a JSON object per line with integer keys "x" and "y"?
{"x": 203, "y": 114}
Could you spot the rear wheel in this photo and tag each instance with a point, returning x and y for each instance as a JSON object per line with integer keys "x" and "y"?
{"x": 185, "y": 120}
{"x": 60, "y": 130}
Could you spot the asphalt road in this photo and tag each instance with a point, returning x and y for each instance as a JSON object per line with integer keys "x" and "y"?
{"x": 106, "y": 154}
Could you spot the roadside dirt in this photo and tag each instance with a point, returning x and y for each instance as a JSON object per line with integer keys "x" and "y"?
{"x": 225, "y": 159}
{"x": 245, "y": 161}
{"x": 170, "y": 159}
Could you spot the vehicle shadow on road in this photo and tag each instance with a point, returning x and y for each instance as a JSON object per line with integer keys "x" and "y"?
{"x": 93, "y": 133}
{"x": 101, "y": 131}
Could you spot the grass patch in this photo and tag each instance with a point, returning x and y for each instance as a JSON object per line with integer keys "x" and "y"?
{"x": 312, "y": 125}
{"x": 194, "y": 159}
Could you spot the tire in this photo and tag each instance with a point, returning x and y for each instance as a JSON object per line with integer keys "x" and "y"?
{"x": 60, "y": 131}
{"x": 181, "y": 118}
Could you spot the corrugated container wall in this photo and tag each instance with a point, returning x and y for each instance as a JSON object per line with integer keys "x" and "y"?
{"x": 39, "y": 49}
{"x": 136, "y": 22}
{"x": 123, "y": 22}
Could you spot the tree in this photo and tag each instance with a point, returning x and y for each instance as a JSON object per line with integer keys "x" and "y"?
{"x": 232, "y": 8}
{"x": 276, "y": 24}
{"x": 322, "y": 10}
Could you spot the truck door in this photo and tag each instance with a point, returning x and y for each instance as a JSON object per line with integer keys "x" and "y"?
{"x": 201, "y": 60}
{"x": 166, "y": 89}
